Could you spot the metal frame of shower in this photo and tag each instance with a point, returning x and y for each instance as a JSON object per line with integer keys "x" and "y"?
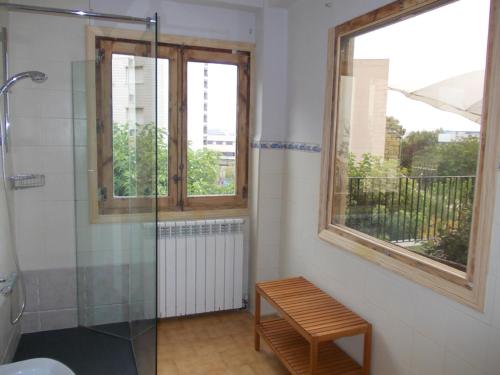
{"x": 76, "y": 12}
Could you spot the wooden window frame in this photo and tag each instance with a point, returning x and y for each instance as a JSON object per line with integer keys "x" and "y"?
{"x": 104, "y": 135}
{"x": 242, "y": 61}
{"x": 465, "y": 287}
{"x": 179, "y": 50}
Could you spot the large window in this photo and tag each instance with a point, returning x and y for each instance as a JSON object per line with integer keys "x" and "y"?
{"x": 202, "y": 134}
{"x": 406, "y": 134}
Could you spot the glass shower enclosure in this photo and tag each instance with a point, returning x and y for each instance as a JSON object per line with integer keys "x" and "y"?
{"x": 116, "y": 249}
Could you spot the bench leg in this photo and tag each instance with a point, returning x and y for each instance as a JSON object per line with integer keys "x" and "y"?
{"x": 313, "y": 357}
{"x": 257, "y": 321}
{"x": 367, "y": 352}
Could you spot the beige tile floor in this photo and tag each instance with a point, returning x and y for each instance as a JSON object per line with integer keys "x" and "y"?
{"x": 219, "y": 343}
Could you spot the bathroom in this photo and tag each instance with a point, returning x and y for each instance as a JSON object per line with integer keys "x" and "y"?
{"x": 134, "y": 227}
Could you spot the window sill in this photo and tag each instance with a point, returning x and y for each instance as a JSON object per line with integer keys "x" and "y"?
{"x": 442, "y": 279}
{"x": 170, "y": 216}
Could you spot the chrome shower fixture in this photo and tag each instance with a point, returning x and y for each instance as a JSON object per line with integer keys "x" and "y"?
{"x": 34, "y": 75}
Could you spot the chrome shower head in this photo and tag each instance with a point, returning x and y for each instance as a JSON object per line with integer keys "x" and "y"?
{"x": 37, "y": 77}
{"x": 34, "y": 75}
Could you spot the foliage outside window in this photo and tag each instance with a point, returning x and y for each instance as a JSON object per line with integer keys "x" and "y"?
{"x": 404, "y": 162}
{"x": 196, "y": 110}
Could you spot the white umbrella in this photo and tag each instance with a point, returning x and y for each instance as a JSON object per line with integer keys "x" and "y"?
{"x": 461, "y": 94}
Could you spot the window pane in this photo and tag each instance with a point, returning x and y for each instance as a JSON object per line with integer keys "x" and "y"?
{"x": 212, "y": 118}
{"x": 133, "y": 104}
{"x": 408, "y": 130}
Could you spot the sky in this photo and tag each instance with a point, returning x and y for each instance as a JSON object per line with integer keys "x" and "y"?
{"x": 426, "y": 49}
{"x": 221, "y": 103}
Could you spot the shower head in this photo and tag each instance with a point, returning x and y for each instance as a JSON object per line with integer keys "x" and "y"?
{"x": 37, "y": 77}
{"x": 34, "y": 75}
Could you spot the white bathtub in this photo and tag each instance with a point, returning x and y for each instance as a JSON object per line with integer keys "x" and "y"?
{"x": 37, "y": 366}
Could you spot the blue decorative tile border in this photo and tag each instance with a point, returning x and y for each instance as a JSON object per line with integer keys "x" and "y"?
{"x": 278, "y": 145}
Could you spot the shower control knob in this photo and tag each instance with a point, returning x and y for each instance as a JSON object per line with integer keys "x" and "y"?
{"x": 8, "y": 284}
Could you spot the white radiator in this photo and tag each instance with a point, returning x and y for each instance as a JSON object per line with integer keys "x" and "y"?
{"x": 200, "y": 266}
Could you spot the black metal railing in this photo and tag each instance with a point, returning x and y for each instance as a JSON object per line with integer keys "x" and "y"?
{"x": 403, "y": 209}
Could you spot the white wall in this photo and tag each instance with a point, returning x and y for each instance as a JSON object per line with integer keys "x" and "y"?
{"x": 270, "y": 125}
{"x": 416, "y": 331}
{"x": 271, "y": 80}
{"x": 187, "y": 19}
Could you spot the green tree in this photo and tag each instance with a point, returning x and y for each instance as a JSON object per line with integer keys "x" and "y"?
{"x": 452, "y": 245}
{"x": 394, "y": 126}
{"x": 459, "y": 157}
{"x": 416, "y": 147}
{"x": 134, "y": 160}
{"x": 204, "y": 172}
{"x": 134, "y": 164}
{"x": 394, "y": 132}
{"x": 372, "y": 166}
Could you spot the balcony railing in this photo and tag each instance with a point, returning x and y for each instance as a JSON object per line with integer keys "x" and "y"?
{"x": 408, "y": 209}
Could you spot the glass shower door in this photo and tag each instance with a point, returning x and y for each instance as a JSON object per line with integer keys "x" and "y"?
{"x": 115, "y": 183}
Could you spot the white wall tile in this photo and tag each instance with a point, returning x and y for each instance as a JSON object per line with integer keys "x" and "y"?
{"x": 493, "y": 353}
{"x": 43, "y": 35}
{"x": 272, "y": 161}
{"x": 57, "y": 159}
{"x": 455, "y": 365}
{"x": 59, "y": 187}
{"x": 27, "y": 160}
{"x": 494, "y": 264}
{"x": 81, "y": 187}
{"x": 269, "y": 231}
{"x": 57, "y": 132}
{"x": 55, "y": 103}
{"x": 271, "y": 207}
{"x": 487, "y": 315}
{"x": 389, "y": 293}
{"x": 80, "y": 159}
{"x": 80, "y": 132}
{"x": 431, "y": 315}
{"x": 60, "y": 234}
{"x": 73, "y": 4}
{"x": 427, "y": 356}
{"x": 103, "y": 258}
{"x": 270, "y": 185}
{"x": 25, "y": 131}
{"x": 496, "y": 309}
{"x": 268, "y": 255}
{"x": 24, "y": 101}
{"x": 30, "y": 232}
{"x": 392, "y": 343}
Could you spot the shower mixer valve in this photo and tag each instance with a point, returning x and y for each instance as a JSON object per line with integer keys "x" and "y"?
{"x": 7, "y": 284}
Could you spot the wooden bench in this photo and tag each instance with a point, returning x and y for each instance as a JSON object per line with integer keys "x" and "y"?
{"x": 310, "y": 320}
